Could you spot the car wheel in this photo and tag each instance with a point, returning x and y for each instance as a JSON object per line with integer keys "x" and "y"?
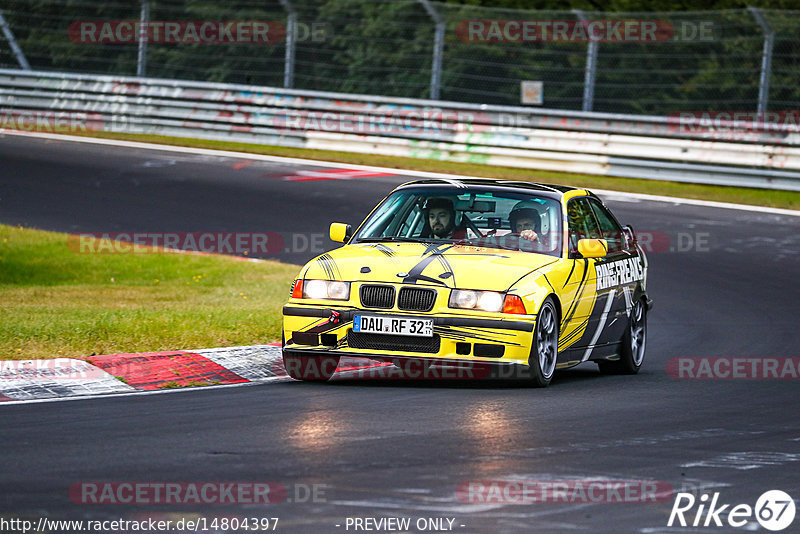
{"x": 310, "y": 368}
{"x": 544, "y": 349}
{"x": 633, "y": 344}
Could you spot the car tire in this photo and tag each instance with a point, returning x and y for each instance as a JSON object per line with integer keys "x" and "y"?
{"x": 634, "y": 342}
{"x": 310, "y": 368}
{"x": 544, "y": 347}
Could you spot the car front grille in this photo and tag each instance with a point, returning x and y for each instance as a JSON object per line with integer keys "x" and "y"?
{"x": 416, "y": 299}
{"x": 360, "y": 340}
{"x": 377, "y": 296}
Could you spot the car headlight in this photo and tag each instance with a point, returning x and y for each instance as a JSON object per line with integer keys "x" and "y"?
{"x": 491, "y": 301}
{"x": 326, "y": 289}
{"x": 463, "y": 299}
{"x": 339, "y": 290}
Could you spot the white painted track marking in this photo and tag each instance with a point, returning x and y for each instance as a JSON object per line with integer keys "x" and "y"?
{"x": 421, "y": 174}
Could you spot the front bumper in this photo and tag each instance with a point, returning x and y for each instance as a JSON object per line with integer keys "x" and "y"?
{"x": 318, "y": 330}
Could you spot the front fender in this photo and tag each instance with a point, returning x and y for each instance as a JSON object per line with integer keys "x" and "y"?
{"x": 533, "y": 289}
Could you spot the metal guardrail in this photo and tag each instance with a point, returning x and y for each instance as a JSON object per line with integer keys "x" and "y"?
{"x": 666, "y": 148}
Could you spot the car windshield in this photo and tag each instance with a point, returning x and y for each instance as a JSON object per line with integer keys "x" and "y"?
{"x": 485, "y": 218}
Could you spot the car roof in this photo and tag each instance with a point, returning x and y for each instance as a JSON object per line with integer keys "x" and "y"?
{"x": 490, "y": 184}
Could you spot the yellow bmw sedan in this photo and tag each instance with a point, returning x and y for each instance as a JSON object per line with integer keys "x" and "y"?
{"x": 474, "y": 274}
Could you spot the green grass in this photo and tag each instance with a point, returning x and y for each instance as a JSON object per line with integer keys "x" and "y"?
{"x": 739, "y": 195}
{"x": 56, "y": 302}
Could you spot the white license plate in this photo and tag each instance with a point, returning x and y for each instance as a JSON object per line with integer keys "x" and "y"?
{"x": 398, "y": 326}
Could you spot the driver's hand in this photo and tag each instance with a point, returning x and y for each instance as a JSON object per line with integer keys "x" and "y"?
{"x": 530, "y": 235}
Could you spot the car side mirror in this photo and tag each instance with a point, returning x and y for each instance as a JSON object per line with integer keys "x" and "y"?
{"x": 340, "y": 232}
{"x": 593, "y": 248}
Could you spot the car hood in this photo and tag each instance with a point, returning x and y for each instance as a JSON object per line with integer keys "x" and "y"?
{"x": 443, "y": 265}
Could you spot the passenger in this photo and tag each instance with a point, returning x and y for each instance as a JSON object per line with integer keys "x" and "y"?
{"x": 440, "y": 217}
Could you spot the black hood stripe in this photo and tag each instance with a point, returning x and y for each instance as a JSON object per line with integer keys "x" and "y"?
{"x": 329, "y": 266}
{"x": 431, "y": 253}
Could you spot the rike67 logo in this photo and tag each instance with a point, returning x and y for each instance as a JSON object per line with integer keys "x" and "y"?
{"x": 774, "y": 510}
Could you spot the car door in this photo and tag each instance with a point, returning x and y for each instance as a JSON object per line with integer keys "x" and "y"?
{"x": 616, "y": 275}
{"x": 580, "y": 316}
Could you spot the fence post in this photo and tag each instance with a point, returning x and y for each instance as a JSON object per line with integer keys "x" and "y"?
{"x": 12, "y": 42}
{"x": 766, "y": 61}
{"x": 438, "y": 49}
{"x": 291, "y": 41}
{"x": 141, "y": 60}
{"x": 591, "y": 67}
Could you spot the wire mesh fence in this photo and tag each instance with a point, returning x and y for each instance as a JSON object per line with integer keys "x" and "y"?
{"x": 655, "y": 63}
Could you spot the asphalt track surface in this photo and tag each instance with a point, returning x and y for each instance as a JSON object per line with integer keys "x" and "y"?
{"x": 400, "y": 448}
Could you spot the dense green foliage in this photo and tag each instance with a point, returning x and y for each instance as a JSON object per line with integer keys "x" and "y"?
{"x": 386, "y": 47}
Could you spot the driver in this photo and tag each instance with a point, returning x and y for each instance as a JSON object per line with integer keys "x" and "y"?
{"x": 525, "y": 220}
{"x": 440, "y": 215}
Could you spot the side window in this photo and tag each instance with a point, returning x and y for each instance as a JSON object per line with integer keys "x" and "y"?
{"x": 612, "y": 231}
{"x": 381, "y": 225}
{"x": 582, "y": 224}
